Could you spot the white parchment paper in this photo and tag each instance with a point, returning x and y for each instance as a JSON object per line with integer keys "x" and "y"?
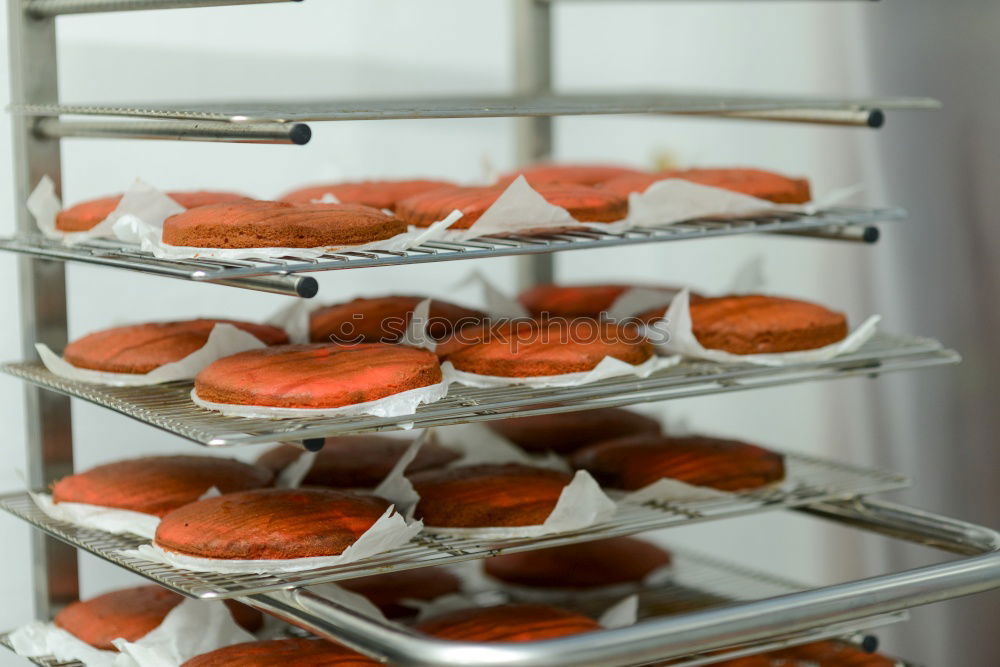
{"x": 224, "y": 340}
{"x": 108, "y": 519}
{"x": 389, "y": 532}
{"x": 673, "y": 335}
{"x": 608, "y": 367}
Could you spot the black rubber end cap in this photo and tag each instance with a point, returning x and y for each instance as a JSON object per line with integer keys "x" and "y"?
{"x": 300, "y": 134}
{"x": 876, "y": 118}
{"x": 869, "y": 644}
{"x": 313, "y": 444}
{"x": 308, "y": 287}
{"x": 871, "y": 235}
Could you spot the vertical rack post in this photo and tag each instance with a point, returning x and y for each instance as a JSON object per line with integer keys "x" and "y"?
{"x": 532, "y": 27}
{"x": 34, "y": 80}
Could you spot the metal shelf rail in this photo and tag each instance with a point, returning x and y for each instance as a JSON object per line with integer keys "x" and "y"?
{"x": 282, "y": 275}
{"x": 808, "y": 480}
{"x": 169, "y": 406}
{"x": 697, "y": 582}
{"x": 666, "y": 637}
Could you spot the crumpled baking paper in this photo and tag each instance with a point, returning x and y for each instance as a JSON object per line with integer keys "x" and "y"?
{"x": 389, "y": 532}
{"x": 416, "y": 331}
{"x": 108, "y": 519}
{"x": 608, "y": 367}
{"x": 675, "y": 200}
{"x": 191, "y": 628}
{"x": 147, "y": 232}
{"x": 477, "y": 443}
{"x": 582, "y": 503}
{"x": 224, "y": 340}
{"x": 294, "y": 319}
{"x": 621, "y": 614}
{"x": 140, "y": 200}
{"x": 673, "y": 335}
{"x": 396, "y": 488}
{"x": 403, "y": 403}
{"x": 291, "y": 476}
{"x": 349, "y": 599}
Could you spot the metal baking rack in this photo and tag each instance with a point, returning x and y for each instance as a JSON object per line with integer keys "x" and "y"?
{"x": 808, "y": 480}
{"x": 284, "y": 275}
{"x": 39, "y": 124}
{"x": 697, "y": 582}
{"x": 169, "y": 406}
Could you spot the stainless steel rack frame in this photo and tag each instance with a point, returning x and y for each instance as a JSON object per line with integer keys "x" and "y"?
{"x": 701, "y": 631}
{"x": 40, "y": 122}
{"x": 169, "y": 406}
{"x": 283, "y": 275}
{"x": 808, "y": 480}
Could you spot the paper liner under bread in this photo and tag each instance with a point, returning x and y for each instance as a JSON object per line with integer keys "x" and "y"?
{"x": 673, "y": 334}
{"x": 223, "y": 341}
{"x": 389, "y": 532}
{"x": 191, "y": 628}
{"x": 403, "y": 403}
{"x": 608, "y": 367}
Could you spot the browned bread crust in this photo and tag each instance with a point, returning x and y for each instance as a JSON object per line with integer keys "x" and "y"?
{"x": 508, "y": 623}
{"x": 566, "y": 432}
{"x": 296, "y": 652}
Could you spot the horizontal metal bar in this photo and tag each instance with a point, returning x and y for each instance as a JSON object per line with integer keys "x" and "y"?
{"x": 854, "y": 233}
{"x": 529, "y": 105}
{"x": 873, "y": 118}
{"x": 264, "y": 132}
{"x": 683, "y": 634}
{"x": 48, "y": 8}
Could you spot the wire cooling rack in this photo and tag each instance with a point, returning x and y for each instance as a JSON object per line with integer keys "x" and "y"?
{"x": 807, "y": 480}
{"x": 169, "y": 406}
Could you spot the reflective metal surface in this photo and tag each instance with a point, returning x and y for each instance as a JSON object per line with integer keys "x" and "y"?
{"x": 48, "y": 8}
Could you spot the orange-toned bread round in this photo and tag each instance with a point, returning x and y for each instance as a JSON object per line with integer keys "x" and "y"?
{"x": 377, "y": 194}
{"x": 86, "y": 215}
{"x": 272, "y": 224}
{"x": 140, "y": 348}
{"x": 385, "y": 319}
{"x": 816, "y": 654}
{"x": 270, "y": 524}
{"x": 317, "y": 376}
{"x": 488, "y": 495}
{"x": 508, "y": 623}
{"x": 566, "y": 432}
{"x": 157, "y": 485}
{"x": 753, "y": 182}
{"x": 637, "y": 461}
{"x": 388, "y": 591}
{"x": 583, "y": 203}
{"x": 618, "y": 560}
{"x": 578, "y": 174}
{"x": 357, "y": 461}
{"x": 758, "y": 324}
{"x": 296, "y": 652}
{"x": 582, "y": 300}
{"x": 131, "y": 613}
{"x": 531, "y": 349}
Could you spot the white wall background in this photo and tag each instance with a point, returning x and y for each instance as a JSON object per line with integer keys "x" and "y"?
{"x": 369, "y": 47}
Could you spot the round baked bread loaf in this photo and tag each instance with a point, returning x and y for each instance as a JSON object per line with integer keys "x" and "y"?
{"x": 565, "y": 432}
{"x": 529, "y": 349}
{"x": 86, "y": 215}
{"x": 377, "y": 194}
{"x": 140, "y": 348}
{"x": 488, "y": 495}
{"x": 583, "y": 203}
{"x": 158, "y": 484}
{"x": 618, "y": 560}
{"x": 271, "y": 224}
{"x": 637, "y": 461}
{"x": 357, "y": 461}
{"x": 317, "y": 376}
{"x": 757, "y": 324}
{"x": 571, "y": 301}
{"x": 753, "y": 182}
{"x": 508, "y": 623}
{"x": 385, "y": 319}
{"x": 577, "y": 174}
{"x": 388, "y": 591}
{"x": 296, "y": 652}
{"x": 270, "y": 524}
{"x": 131, "y": 613}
